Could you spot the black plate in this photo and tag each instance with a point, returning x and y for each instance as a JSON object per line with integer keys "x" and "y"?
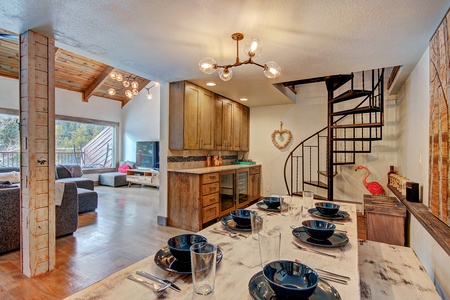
{"x": 166, "y": 261}
{"x": 336, "y": 240}
{"x": 341, "y": 215}
{"x": 228, "y": 222}
{"x": 260, "y": 289}
{"x": 263, "y": 206}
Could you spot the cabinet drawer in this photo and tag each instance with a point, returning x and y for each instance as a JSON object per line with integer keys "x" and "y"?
{"x": 210, "y": 188}
{"x": 254, "y": 170}
{"x": 210, "y": 212}
{"x": 210, "y": 199}
{"x": 211, "y": 177}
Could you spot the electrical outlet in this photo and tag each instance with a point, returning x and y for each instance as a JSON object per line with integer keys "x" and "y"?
{"x": 267, "y": 188}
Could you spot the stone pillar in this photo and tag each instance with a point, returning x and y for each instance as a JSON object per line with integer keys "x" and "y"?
{"x": 37, "y": 134}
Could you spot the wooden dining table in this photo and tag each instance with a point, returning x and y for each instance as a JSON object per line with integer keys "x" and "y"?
{"x": 240, "y": 262}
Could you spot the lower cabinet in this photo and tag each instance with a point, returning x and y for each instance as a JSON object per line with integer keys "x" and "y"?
{"x": 196, "y": 199}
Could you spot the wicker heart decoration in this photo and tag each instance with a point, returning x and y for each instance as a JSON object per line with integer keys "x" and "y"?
{"x": 278, "y": 135}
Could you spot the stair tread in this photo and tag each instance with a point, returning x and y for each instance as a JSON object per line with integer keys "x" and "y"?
{"x": 359, "y": 139}
{"x": 336, "y": 81}
{"x": 344, "y": 163}
{"x": 377, "y": 124}
{"x": 317, "y": 183}
{"x": 325, "y": 173}
{"x": 359, "y": 110}
{"x": 350, "y": 94}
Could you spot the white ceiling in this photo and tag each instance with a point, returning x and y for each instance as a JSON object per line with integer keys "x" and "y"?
{"x": 163, "y": 40}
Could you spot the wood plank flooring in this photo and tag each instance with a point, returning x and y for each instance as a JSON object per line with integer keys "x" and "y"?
{"x": 122, "y": 231}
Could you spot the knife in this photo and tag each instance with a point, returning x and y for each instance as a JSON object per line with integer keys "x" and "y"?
{"x": 154, "y": 286}
{"x": 162, "y": 281}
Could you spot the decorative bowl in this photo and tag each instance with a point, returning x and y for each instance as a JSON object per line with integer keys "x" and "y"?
{"x": 241, "y": 216}
{"x": 319, "y": 230}
{"x": 327, "y": 208}
{"x": 272, "y": 202}
{"x": 290, "y": 279}
{"x": 180, "y": 246}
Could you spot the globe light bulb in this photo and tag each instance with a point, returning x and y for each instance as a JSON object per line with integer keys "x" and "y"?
{"x": 253, "y": 48}
{"x": 135, "y": 92}
{"x": 149, "y": 96}
{"x": 126, "y": 83}
{"x": 225, "y": 74}
{"x": 129, "y": 94}
{"x": 272, "y": 69}
{"x": 112, "y": 91}
{"x": 157, "y": 84}
{"x": 207, "y": 65}
{"x": 134, "y": 84}
{"x": 119, "y": 77}
{"x": 113, "y": 75}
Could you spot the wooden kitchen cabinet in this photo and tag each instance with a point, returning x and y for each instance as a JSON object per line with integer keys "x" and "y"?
{"x": 223, "y": 134}
{"x": 254, "y": 183}
{"x": 193, "y": 200}
{"x": 191, "y": 122}
{"x": 245, "y": 128}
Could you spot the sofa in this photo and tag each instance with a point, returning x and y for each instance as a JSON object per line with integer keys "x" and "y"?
{"x": 87, "y": 197}
{"x": 116, "y": 179}
{"x": 66, "y": 214}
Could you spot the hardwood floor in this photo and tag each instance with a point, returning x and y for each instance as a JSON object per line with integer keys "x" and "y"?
{"x": 122, "y": 231}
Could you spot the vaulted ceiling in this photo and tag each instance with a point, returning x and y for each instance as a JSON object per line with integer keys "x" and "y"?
{"x": 72, "y": 71}
{"x": 164, "y": 40}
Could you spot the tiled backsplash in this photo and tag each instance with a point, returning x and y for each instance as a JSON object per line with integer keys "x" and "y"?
{"x": 188, "y": 159}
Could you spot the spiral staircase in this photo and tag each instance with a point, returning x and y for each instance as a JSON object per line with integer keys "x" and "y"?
{"x": 355, "y": 120}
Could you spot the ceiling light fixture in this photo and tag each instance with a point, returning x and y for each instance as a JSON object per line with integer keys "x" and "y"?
{"x": 243, "y": 99}
{"x": 253, "y": 49}
{"x": 210, "y": 84}
{"x": 149, "y": 95}
{"x": 129, "y": 82}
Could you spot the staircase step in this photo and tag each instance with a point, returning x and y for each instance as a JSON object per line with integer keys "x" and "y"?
{"x": 351, "y": 94}
{"x": 316, "y": 197}
{"x": 325, "y": 173}
{"x": 341, "y": 163}
{"x": 358, "y": 139}
{"x": 360, "y": 110}
{"x": 351, "y": 151}
{"x": 336, "y": 81}
{"x": 365, "y": 125}
{"x": 319, "y": 184}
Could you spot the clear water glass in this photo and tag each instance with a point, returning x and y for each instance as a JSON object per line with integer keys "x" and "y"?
{"x": 203, "y": 266}
{"x": 257, "y": 222}
{"x": 269, "y": 246}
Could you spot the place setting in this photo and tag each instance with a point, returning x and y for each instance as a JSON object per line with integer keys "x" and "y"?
{"x": 329, "y": 211}
{"x": 271, "y": 203}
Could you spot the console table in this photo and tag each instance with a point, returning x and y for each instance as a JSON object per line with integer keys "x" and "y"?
{"x": 144, "y": 177}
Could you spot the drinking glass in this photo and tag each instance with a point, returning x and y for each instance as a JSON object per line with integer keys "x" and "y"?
{"x": 308, "y": 199}
{"x": 284, "y": 205}
{"x": 269, "y": 246}
{"x": 296, "y": 215}
{"x": 203, "y": 266}
{"x": 257, "y": 221}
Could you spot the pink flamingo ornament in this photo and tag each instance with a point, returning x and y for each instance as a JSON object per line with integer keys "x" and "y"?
{"x": 373, "y": 187}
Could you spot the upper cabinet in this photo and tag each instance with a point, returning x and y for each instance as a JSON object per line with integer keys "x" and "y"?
{"x": 200, "y": 119}
{"x": 191, "y": 117}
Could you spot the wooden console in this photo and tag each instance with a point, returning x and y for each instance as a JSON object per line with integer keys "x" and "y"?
{"x": 143, "y": 177}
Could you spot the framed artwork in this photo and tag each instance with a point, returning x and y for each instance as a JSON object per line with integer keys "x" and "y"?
{"x": 439, "y": 185}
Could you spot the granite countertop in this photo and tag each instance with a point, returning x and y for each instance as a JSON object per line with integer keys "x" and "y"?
{"x": 206, "y": 170}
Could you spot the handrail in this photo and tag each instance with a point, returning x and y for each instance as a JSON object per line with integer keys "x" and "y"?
{"x": 291, "y": 154}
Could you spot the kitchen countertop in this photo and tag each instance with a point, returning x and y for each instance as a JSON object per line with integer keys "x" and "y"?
{"x": 206, "y": 170}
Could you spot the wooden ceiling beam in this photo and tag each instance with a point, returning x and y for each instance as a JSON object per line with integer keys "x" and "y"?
{"x": 97, "y": 83}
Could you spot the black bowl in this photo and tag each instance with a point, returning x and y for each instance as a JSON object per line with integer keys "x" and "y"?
{"x": 241, "y": 217}
{"x": 180, "y": 246}
{"x": 290, "y": 279}
{"x": 326, "y": 208}
{"x": 319, "y": 230}
{"x": 272, "y": 202}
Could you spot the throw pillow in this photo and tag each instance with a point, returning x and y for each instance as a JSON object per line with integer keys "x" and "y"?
{"x": 123, "y": 168}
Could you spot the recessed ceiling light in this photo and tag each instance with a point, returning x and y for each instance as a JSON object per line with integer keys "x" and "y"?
{"x": 210, "y": 84}
{"x": 243, "y": 99}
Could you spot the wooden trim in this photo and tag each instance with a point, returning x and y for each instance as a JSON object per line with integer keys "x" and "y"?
{"x": 9, "y": 111}
{"x": 435, "y": 227}
{"x": 392, "y": 77}
{"x": 92, "y": 88}
{"x": 86, "y": 120}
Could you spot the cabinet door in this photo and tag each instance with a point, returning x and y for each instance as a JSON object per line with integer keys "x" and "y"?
{"x": 242, "y": 187}
{"x": 254, "y": 187}
{"x": 224, "y": 124}
{"x": 191, "y": 116}
{"x": 245, "y": 128}
{"x": 237, "y": 126}
{"x": 206, "y": 120}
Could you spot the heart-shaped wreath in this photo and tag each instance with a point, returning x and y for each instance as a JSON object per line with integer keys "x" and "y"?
{"x": 278, "y": 135}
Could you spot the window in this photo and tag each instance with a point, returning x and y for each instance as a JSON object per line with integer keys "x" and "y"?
{"x": 89, "y": 145}
{"x": 86, "y": 142}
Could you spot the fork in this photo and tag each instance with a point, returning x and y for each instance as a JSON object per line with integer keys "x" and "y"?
{"x": 155, "y": 287}
{"x": 312, "y": 250}
{"x": 231, "y": 234}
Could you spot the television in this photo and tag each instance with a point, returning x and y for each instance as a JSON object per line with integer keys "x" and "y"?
{"x": 147, "y": 155}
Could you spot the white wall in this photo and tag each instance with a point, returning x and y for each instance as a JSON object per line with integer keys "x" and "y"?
{"x": 140, "y": 121}
{"x": 413, "y": 101}
{"x": 303, "y": 119}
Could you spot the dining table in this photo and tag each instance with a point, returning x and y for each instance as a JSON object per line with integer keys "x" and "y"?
{"x": 240, "y": 265}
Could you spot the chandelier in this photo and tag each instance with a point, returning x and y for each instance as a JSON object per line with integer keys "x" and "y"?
{"x": 149, "y": 95}
{"x": 253, "y": 49}
{"x": 131, "y": 85}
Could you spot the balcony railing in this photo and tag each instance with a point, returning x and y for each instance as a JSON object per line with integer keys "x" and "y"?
{"x": 12, "y": 159}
